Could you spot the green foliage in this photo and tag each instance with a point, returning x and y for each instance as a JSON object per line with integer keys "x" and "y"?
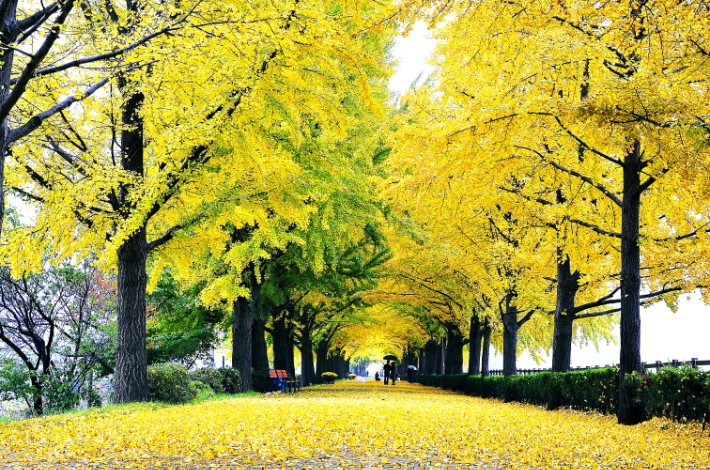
{"x": 57, "y": 390}
{"x": 677, "y": 393}
{"x": 221, "y": 380}
{"x": 184, "y": 346}
{"x": 200, "y": 389}
{"x": 170, "y": 383}
{"x": 59, "y": 393}
{"x": 209, "y": 377}
{"x": 15, "y": 382}
{"x": 231, "y": 380}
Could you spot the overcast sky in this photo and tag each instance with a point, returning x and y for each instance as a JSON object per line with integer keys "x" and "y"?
{"x": 664, "y": 335}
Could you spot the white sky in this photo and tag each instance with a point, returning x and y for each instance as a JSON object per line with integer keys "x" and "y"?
{"x": 664, "y": 335}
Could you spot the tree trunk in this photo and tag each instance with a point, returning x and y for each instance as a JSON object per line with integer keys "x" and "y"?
{"x": 567, "y": 287}
{"x": 629, "y": 412}
{"x": 130, "y": 380}
{"x": 8, "y": 34}
{"x": 454, "y": 352}
{"x": 432, "y": 348}
{"x": 308, "y": 373}
{"x": 510, "y": 340}
{"x": 241, "y": 342}
{"x": 37, "y": 404}
{"x": 280, "y": 341}
{"x": 486, "y": 354}
{"x": 321, "y": 361}
{"x": 441, "y": 356}
{"x": 260, "y": 357}
{"x": 474, "y": 344}
{"x": 291, "y": 364}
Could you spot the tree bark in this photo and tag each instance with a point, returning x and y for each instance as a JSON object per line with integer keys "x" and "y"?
{"x": 260, "y": 357}
{"x": 567, "y": 287}
{"x": 241, "y": 342}
{"x": 432, "y": 354}
{"x": 308, "y": 373}
{"x": 130, "y": 380}
{"x": 629, "y": 412}
{"x": 321, "y": 361}
{"x": 510, "y": 340}
{"x": 440, "y": 356}
{"x": 454, "y": 352}
{"x": 8, "y": 34}
{"x": 486, "y": 354}
{"x": 474, "y": 344}
{"x": 280, "y": 340}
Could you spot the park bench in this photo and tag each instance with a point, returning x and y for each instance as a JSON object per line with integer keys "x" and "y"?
{"x": 279, "y": 380}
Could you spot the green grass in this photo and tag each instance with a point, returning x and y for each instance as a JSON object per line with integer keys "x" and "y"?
{"x": 6, "y": 420}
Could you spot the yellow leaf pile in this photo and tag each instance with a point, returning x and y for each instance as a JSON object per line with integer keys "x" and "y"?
{"x": 348, "y": 425}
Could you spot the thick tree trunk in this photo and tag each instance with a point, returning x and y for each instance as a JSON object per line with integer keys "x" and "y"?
{"x": 510, "y": 340}
{"x": 321, "y": 361}
{"x": 567, "y": 287}
{"x": 441, "y": 356}
{"x": 131, "y": 376}
{"x": 291, "y": 364}
{"x": 308, "y": 373}
{"x": 454, "y": 352}
{"x": 486, "y": 354}
{"x": 474, "y": 344}
{"x": 260, "y": 357}
{"x": 280, "y": 342}
{"x": 8, "y": 35}
{"x": 130, "y": 380}
{"x": 432, "y": 350}
{"x": 241, "y": 342}
{"x": 629, "y": 412}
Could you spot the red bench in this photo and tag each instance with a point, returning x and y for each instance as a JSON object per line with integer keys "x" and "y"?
{"x": 279, "y": 380}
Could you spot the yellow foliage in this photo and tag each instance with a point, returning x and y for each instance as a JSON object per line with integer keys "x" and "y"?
{"x": 349, "y": 425}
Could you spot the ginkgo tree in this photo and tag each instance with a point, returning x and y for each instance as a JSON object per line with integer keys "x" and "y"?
{"x": 142, "y": 162}
{"x": 604, "y": 94}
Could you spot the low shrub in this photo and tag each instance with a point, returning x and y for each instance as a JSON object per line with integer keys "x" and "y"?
{"x": 677, "y": 393}
{"x": 210, "y": 377}
{"x": 231, "y": 380}
{"x": 170, "y": 383}
{"x": 200, "y": 389}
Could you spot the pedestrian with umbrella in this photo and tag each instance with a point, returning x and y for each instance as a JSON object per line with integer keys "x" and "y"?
{"x": 389, "y": 369}
{"x": 410, "y": 373}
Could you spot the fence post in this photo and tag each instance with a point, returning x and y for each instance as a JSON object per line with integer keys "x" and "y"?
{"x": 659, "y": 365}
{"x": 674, "y": 362}
{"x": 694, "y": 362}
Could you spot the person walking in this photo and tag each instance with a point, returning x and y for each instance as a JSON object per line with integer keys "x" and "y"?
{"x": 388, "y": 372}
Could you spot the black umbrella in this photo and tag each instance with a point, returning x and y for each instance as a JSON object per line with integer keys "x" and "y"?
{"x": 390, "y": 357}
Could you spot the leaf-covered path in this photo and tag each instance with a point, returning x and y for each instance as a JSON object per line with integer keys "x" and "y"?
{"x": 348, "y": 425}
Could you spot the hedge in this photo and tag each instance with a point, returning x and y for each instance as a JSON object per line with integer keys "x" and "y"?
{"x": 676, "y": 393}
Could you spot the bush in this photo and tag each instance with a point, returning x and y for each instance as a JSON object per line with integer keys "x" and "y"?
{"x": 677, "y": 393}
{"x": 15, "y": 382}
{"x": 59, "y": 393}
{"x": 200, "y": 389}
{"x": 170, "y": 383}
{"x": 210, "y": 377}
{"x": 231, "y": 380}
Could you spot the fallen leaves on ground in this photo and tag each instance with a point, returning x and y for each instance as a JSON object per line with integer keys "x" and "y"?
{"x": 349, "y": 425}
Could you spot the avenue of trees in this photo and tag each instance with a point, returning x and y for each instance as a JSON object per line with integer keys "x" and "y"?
{"x": 236, "y": 173}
